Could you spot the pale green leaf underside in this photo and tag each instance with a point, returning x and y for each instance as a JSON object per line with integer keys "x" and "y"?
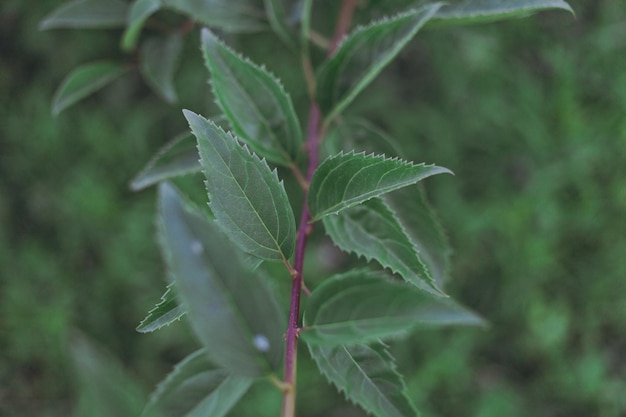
{"x": 361, "y": 306}
{"x": 87, "y": 14}
{"x": 159, "y": 57}
{"x": 248, "y": 200}
{"x": 423, "y": 228}
{"x": 164, "y": 313}
{"x": 178, "y": 157}
{"x": 363, "y": 55}
{"x": 479, "y": 11}
{"x": 233, "y": 313}
{"x": 373, "y": 231}
{"x": 256, "y": 105}
{"x": 237, "y": 16}
{"x": 84, "y": 81}
{"x": 140, "y": 11}
{"x": 367, "y": 376}
{"x": 345, "y": 180}
{"x": 196, "y": 388}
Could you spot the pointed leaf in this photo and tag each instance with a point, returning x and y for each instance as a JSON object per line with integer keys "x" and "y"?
{"x": 361, "y": 306}
{"x": 423, "y": 228}
{"x": 367, "y": 376}
{"x": 178, "y": 157}
{"x": 164, "y": 313}
{"x": 83, "y": 81}
{"x": 234, "y": 313}
{"x": 87, "y": 14}
{"x": 105, "y": 388}
{"x": 277, "y": 16}
{"x": 139, "y": 12}
{"x": 196, "y": 388}
{"x": 372, "y": 230}
{"x": 159, "y": 58}
{"x": 345, "y": 180}
{"x": 364, "y": 54}
{"x": 236, "y": 16}
{"x": 480, "y": 11}
{"x": 259, "y": 110}
{"x": 249, "y": 202}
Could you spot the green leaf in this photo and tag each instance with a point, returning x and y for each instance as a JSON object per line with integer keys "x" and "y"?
{"x": 249, "y": 202}
{"x": 277, "y": 16}
{"x": 236, "y": 16}
{"x": 362, "y": 306}
{"x": 259, "y": 110}
{"x": 84, "y": 81}
{"x": 345, "y": 180}
{"x": 423, "y": 228}
{"x": 105, "y": 389}
{"x": 367, "y": 376}
{"x": 164, "y": 313}
{"x": 178, "y": 157}
{"x": 233, "y": 312}
{"x": 372, "y": 230}
{"x": 480, "y": 11}
{"x": 140, "y": 11}
{"x": 359, "y": 135}
{"x": 196, "y": 388}
{"x": 87, "y": 14}
{"x": 159, "y": 57}
{"x": 363, "y": 55}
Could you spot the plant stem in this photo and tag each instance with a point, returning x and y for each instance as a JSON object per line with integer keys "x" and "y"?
{"x": 289, "y": 396}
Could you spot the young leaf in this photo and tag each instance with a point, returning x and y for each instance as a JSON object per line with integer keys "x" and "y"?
{"x": 83, "y": 81}
{"x": 345, "y": 180}
{"x": 373, "y": 231}
{"x": 139, "y": 12}
{"x": 234, "y": 313}
{"x": 87, "y": 14}
{"x": 249, "y": 202}
{"x": 480, "y": 11}
{"x": 196, "y": 387}
{"x": 178, "y": 157}
{"x": 423, "y": 228}
{"x": 259, "y": 110}
{"x": 158, "y": 64}
{"x": 236, "y": 16}
{"x": 367, "y": 376}
{"x": 363, "y": 55}
{"x": 361, "y": 306}
{"x": 164, "y": 313}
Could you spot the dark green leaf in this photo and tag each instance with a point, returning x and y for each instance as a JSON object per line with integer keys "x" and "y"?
{"x": 159, "y": 57}
{"x": 87, "y": 14}
{"x": 247, "y": 198}
{"x": 372, "y": 230}
{"x": 423, "y": 228}
{"x": 237, "y": 16}
{"x": 164, "y": 313}
{"x": 234, "y": 313}
{"x": 196, "y": 388}
{"x": 105, "y": 389}
{"x": 83, "y": 81}
{"x": 345, "y": 180}
{"x": 480, "y": 11}
{"x": 363, "y": 55}
{"x": 361, "y": 306}
{"x": 178, "y": 157}
{"x": 367, "y": 376}
{"x": 259, "y": 110}
{"x": 139, "y": 12}
{"x": 359, "y": 135}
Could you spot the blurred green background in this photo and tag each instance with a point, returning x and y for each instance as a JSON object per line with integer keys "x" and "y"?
{"x": 531, "y": 116}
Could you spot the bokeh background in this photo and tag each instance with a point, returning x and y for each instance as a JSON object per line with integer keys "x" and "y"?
{"x": 531, "y": 116}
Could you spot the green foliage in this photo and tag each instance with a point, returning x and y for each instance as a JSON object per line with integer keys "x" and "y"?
{"x": 90, "y": 14}
{"x": 369, "y": 204}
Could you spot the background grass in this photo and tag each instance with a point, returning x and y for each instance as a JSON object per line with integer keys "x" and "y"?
{"x": 531, "y": 116}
